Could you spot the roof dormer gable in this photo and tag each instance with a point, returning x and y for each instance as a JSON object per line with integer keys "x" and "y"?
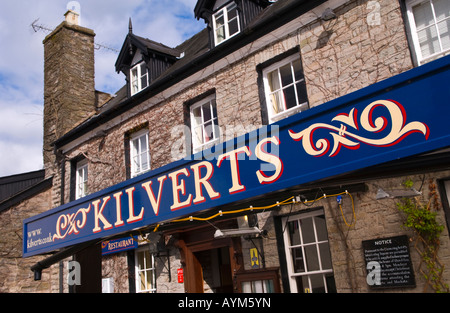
{"x": 143, "y": 60}
{"x": 227, "y": 18}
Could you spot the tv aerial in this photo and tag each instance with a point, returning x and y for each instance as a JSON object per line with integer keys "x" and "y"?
{"x": 75, "y": 7}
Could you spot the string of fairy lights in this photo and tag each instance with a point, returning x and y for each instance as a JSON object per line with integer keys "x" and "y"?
{"x": 290, "y": 200}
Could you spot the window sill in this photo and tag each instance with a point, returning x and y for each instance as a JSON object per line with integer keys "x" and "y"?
{"x": 434, "y": 57}
{"x": 300, "y": 108}
{"x": 133, "y": 175}
{"x": 207, "y": 145}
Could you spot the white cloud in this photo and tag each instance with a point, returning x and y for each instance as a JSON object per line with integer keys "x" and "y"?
{"x": 20, "y": 137}
{"x": 21, "y": 62}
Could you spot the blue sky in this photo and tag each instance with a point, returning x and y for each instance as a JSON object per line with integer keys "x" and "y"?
{"x": 21, "y": 63}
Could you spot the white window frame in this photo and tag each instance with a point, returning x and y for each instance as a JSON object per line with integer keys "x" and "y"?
{"x": 137, "y": 151}
{"x": 288, "y": 248}
{"x": 447, "y": 189}
{"x": 136, "y": 79}
{"x": 224, "y": 11}
{"x": 81, "y": 187}
{"x": 258, "y": 286}
{"x": 273, "y": 116}
{"x": 414, "y": 32}
{"x": 145, "y": 271}
{"x": 196, "y": 144}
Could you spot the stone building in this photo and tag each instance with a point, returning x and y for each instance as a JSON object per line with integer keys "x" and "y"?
{"x": 259, "y": 67}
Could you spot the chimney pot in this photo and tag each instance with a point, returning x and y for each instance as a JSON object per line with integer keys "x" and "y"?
{"x": 72, "y": 17}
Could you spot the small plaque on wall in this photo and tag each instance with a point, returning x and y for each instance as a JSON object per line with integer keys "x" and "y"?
{"x": 388, "y": 262}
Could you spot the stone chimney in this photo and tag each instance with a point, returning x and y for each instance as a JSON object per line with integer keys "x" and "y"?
{"x": 69, "y": 86}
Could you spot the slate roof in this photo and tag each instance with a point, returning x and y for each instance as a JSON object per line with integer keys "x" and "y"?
{"x": 14, "y": 184}
{"x": 16, "y": 188}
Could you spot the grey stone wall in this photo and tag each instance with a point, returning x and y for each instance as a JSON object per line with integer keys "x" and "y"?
{"x": 15, "y": 272}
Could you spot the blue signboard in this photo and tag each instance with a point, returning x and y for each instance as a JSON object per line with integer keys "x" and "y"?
{"x": 119, "y": 245}
{"x": 402, "y": 116}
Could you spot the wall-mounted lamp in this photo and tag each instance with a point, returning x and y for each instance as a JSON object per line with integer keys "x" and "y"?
{"x": 37, "y": 275}
{"x": 225, "y": 233}
{"x": 381, "y": 194}
{"x": 328, "y": 14}
{"x": 154, "y": 242}
{"x": 157, "y": 247}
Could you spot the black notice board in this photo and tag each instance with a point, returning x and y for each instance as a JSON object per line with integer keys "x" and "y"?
{"x": 388, "y": 262}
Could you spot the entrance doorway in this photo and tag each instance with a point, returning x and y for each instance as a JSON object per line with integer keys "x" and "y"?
{"x": 216, "y": 270}
{"x": 210, "y": 264}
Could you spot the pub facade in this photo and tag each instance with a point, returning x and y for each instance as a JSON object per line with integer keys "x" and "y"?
{"x": 284, "y": 148}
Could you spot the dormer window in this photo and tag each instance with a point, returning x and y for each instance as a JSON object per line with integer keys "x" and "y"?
{"x": 226, "y": 23}
{"x": 139, "y": 78}
{"x": 143, "y": 61}
{"x": 228, "y": 18}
